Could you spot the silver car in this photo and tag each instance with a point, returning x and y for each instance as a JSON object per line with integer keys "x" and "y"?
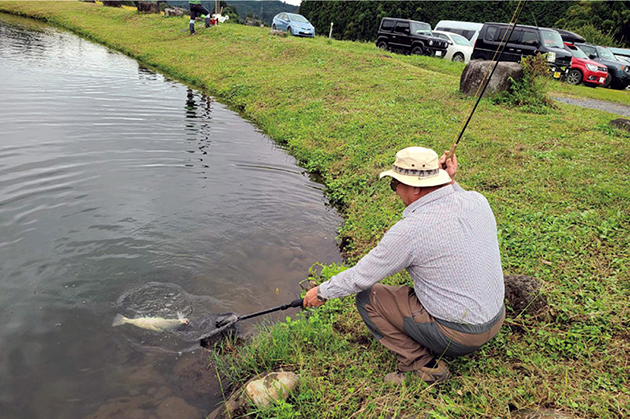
{"x": 296, "y": 25}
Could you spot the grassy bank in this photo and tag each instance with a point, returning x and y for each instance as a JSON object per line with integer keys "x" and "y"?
{"x": 558, "y": 184}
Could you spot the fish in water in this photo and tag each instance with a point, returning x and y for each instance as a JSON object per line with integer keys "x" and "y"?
{"x": 157, "y": 324}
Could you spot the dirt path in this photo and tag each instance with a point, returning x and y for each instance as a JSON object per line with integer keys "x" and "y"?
{"x": 601, "y": 105}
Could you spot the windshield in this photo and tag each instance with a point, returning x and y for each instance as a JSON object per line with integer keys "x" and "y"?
{"x": 460, "y": 40}
{"x": 577, "y": 53}
{"x": 421, "y": 28}
{"x": 552, "y": 39}
{"x": 606, "y": 54}
{"x": 298, "y": 18}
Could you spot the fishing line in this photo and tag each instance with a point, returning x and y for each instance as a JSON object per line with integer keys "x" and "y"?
{"x": 486, "y": 79}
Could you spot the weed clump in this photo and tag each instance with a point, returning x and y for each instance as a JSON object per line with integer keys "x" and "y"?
{"x": 530, "y": 92}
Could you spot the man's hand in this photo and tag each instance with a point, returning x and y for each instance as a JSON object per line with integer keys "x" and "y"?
{"x": 311, "y": 300}
{"x": 451, "y": 164}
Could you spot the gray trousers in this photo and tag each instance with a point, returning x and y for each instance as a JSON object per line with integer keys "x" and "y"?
{"x": 397, "y": 320}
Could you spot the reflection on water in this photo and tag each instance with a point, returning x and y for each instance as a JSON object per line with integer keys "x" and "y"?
{"x": 112, "y": 177}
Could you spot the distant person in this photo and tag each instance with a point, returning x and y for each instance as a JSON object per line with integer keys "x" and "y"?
{"x": 447, "y": 241}
{"x": 196, "y": 9}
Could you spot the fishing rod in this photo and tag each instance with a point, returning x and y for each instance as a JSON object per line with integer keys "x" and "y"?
{"x": 517, "y": 14}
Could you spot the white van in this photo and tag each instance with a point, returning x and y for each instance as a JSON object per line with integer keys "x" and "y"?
{"x": 469, "y": 30}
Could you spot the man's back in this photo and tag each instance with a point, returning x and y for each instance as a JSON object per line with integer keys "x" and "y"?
{"x": 456, "y": 265}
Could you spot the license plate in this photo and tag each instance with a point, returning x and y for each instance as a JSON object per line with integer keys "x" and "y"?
{"x": 438, "y": 53}
{"x": 602, "y": 79}
{"x": 556, "y": 74}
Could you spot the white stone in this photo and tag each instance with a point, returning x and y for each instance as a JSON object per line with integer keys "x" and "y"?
{"x": 271, "y": 387}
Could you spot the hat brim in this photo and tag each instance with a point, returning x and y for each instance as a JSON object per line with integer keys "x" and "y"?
{"x": 441, "y": 178}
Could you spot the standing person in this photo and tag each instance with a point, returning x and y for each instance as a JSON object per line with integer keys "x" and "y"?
{"x": 447, "y": 241}
{"x": 196, "y": 9}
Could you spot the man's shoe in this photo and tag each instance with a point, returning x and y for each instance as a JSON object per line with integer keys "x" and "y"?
{"x": 438, "y": 374}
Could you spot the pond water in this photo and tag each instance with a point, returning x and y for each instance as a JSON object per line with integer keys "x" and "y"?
{"x": 120, "y": 188}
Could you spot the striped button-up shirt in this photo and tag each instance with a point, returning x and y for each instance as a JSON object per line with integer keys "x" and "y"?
{"x": 447, "y": 241}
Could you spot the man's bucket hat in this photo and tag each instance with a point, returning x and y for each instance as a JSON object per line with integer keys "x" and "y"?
{"x": 418, "y": 166}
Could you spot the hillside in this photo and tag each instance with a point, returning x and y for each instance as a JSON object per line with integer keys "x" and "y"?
{"x": 265, "y": 9}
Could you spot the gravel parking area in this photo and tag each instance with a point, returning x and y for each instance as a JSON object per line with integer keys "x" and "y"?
{"x": 601, "y": 105}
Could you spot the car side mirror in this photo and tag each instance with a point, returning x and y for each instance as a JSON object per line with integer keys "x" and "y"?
{"x": 592, "y": 56}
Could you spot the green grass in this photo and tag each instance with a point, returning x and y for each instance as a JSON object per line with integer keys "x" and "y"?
{"x": 558, "y": 184}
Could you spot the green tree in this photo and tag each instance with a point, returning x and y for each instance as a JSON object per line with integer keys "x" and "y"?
{"x": 605, "y": 22}
{"x": 359, "y": 20}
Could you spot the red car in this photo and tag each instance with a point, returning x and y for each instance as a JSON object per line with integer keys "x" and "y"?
{"x": 583, "y": 69}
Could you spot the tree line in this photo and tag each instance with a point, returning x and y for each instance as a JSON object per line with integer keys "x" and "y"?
{"x": 359, "y": 20}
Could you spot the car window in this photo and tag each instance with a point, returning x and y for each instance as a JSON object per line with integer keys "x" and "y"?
{"x": 491, "y": 32}
{"x": 530, "y": 38}
{"x": 466, "y": 34}
{"x": 576, "y": 52}
{"x": 460, "y": 40}
{"x": 606, "y": 54}
{"x": 497, "y": 34}
{"x": 402, "y": 27}
{"x": 421, "y": 28}
{"x": 283, "y": 16}
{"x": 441, "y": 35}
{"x": 298, "y": 18}
{"x": 551, "y": 39}
{"x": 387, "y": 25}
{"x": 588, "y": 50}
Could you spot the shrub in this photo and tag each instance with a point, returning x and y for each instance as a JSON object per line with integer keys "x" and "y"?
{"x": 530, "y": 92}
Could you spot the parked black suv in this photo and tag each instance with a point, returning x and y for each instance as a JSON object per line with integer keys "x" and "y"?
{"x": 525, "y": 40}
{"x": 618, "y": 72}
{"x": 409, "y": 36}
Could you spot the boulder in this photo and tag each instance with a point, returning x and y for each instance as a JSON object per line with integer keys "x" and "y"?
{"x": 271, "y": 387}
{"x": 259, "y": 391}
{"x": 148, "y": 7}
{"x": 174, "y": 12}
{"x": 621, "y": 124}
{"x": 523, "y": 294}
{"x": 476, "y": 70}
{"x": 277, "y": 32}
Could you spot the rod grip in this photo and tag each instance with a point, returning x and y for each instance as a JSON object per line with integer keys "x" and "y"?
{"x": 297, "y": 303}
{"x": 450, "y": 154}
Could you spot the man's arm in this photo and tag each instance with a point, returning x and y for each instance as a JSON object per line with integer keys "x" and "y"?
{"x": 393, "y": 253}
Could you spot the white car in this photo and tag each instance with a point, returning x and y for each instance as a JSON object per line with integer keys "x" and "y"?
{"x": 459, "y": 48}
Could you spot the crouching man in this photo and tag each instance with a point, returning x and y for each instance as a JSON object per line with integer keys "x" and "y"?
{"x": 447, "y": 242}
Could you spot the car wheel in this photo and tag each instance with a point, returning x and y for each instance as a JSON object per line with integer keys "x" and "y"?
{"x": 608, "y": 81}
{"x": 574, "y": 77}
{"x": 619, "y": 86}
{"x": 417, "y": 50}
{"x": 273, "y": 26}
{"x": 458, "y": 57}
{"x": 382, "y": 45}
{"x": 290, "y": 30}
